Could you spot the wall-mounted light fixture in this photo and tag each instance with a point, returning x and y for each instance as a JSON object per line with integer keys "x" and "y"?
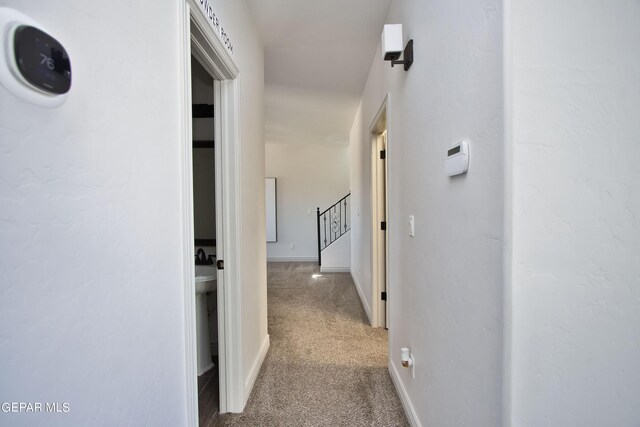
{"x": 392, "y": 42}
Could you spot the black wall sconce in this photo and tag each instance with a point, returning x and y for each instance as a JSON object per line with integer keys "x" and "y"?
{"x": 392, "y": 46}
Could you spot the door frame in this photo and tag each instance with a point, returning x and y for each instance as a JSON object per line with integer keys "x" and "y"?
{"x": 200, "y": 40}
{"x": 379, "y": 310}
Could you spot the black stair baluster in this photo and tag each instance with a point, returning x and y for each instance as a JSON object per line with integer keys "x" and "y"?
{"x": 345, "y": 214}
{"x": 325, "y": 229}
{"x": 335, "y": 235}
{"x": 319, "y": 244}
{"x": 337, "y": 217}
{"x": 340, "y": 226}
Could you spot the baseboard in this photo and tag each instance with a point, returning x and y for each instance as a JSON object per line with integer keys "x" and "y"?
{"x": 365, "y": 304}
{"x": 206, "y": 369}
{"x": 334, "y": 269}
{"x": 255, "y": 369}
{"x": 292, "y": 259}
{"x": 404, "y": 397}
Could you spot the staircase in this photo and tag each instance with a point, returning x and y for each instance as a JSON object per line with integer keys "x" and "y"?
{"x": 333, "y": 223}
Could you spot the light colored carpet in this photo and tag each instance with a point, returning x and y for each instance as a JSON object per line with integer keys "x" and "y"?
{"x": 326, "y": 365}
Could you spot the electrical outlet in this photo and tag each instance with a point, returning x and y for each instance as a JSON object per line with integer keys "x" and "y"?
{"x": 292, "y": 246}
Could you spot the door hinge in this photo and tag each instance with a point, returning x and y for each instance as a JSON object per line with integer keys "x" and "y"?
{"x": 383, "y": 296}
{"x": 383, "y": 225}
{"x": 220, "y": 264}
{"x": 383, "y": 154}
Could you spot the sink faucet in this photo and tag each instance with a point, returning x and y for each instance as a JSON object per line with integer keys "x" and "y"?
{"x": 201, "y": 257}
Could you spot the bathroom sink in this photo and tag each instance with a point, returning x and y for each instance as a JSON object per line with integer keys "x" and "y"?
{"x": 205, "y": 282}
{"x": 206, "y": 278}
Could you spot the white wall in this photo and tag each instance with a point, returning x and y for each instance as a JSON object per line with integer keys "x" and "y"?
{"x": 309, "y": 176}
{"x": 360, "y": 175}
{"x": 336, "y": 258}
{"x": 575, "y": 206}
{"x": 249, "y": 56}
{"x": 90, "y": 219}
{"x": 446, "y": 282}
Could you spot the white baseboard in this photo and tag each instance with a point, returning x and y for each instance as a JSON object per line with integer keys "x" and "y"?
{"x": 404, "y": 397}
{"x": 334, "y": 269}
{"x": 292, "y": 259}
{"x": 205, "y": 369}
{"x": 255, "y": 369}
{"x": 365, "y": 304}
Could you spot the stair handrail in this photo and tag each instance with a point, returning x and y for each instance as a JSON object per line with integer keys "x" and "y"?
{"x": 337, "y": 228}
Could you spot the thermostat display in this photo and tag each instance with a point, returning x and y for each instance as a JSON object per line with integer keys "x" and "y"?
{"x": 34, "y": 66}
{"x": 458, "y": 159}
{"x": 41, "y": 60}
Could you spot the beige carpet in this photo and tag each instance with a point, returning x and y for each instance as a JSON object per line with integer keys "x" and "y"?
{"x": 326, "y": 365}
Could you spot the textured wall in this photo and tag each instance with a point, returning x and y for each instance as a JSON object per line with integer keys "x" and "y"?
{"x": 445, "y": 286}
{"x": 360, "y": 176}
{"x": 249, "y": 56}
{"x": 309, "y": 176}
{"x": 91, "y": 297}
{"x": 91, "y": 279}
{"x": 576, "y": 236}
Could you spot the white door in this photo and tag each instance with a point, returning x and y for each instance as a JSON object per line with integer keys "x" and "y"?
{"x": 220, "y": 240}
{"x": 381, "y": 209}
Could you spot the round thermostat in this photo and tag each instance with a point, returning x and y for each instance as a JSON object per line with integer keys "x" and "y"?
{"x": 35, "y": 66}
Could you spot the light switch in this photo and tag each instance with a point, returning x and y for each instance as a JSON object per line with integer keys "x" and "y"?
{"x": 412, "y": 226}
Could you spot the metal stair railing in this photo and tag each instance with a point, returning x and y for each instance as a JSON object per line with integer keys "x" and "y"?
{"x": 337, "y": 217}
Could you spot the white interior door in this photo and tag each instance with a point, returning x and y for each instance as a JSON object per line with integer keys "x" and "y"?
{"x": 381, "y": 210}
{"x": 220, "y": 241}
{"x": 202, "y": 40}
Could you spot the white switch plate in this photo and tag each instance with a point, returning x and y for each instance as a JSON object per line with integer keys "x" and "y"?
{"x": 412, "y": 226}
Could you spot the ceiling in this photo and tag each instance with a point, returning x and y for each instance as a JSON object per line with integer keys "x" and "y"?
{"x": 317, "y": 58}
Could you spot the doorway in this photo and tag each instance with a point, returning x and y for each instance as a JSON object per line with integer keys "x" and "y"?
{"x": 206, "y": 209}
{"x": 379, "y": 215}
{"x": 203, "y": 49}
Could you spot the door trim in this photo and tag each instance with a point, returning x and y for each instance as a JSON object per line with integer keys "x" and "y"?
{"x": 379, "y": 124}
{"x": 199, "y": 39}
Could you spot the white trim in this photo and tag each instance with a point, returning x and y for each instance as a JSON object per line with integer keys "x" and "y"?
{"x": 201, "y": 41}
{"x": 365, "y": 304}
{"x": 221, "y": 63}
{"x": 376, "y": 128}
{"x": 292, "y": 259}
{"x": 335, "y": 269}
{"x": 255, "y": 368}
{"x": 187, "y": 253}
{"x": 233, "y": 248}
{"x": 409, "y": 410}
{"x": 223, "y": 325}
{"x": 508, "y": 215}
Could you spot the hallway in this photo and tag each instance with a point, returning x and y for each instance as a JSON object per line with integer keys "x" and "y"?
{"x": 326, "y": 365}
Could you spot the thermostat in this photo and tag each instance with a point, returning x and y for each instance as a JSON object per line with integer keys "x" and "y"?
{"x": 35, "y": 66}
{"x": 458, "y": 159}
